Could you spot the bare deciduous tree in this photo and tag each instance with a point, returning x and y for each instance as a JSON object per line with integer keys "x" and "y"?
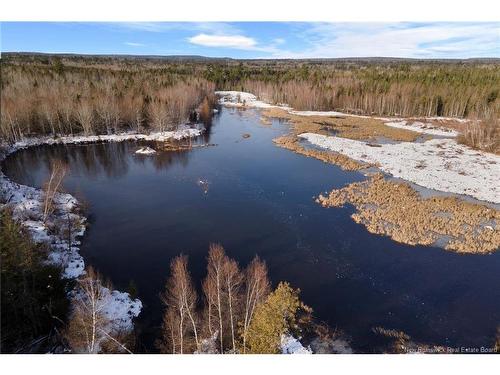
{"x": 58, "y": 171}
{"x": 210, "y": 297}
{"x": 180, "y": 298}
{"x": 85, "y": 115}
{"x": 214, "y": 284}
{"x": 86, "y": 331}
{"x": 257, "y": 287}
{"x": 232, "y": 283}
{"x": 231, "y": 299}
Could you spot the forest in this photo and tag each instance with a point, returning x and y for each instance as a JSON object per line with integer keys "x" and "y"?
{"x": 57, "y": 97}
{"x": 66, "y": 94}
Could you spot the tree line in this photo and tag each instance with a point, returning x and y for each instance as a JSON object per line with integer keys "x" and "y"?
{"x": 59, "y": 99}
{"x": 391, "y": 89}
{"x": 52, "y": 94}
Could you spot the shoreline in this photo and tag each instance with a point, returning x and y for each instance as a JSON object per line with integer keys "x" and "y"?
{"x": 25, "y": 202}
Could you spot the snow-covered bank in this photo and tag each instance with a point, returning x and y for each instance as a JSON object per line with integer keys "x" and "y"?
{"x": 65, "y": 226}
{"x": 244, "y": 99}
{"x": 439, "y": 164}
{"x": 183, "y": 132}
{"x": 425, "y": 128}
{"x": 27, "y": 208}
{"x": 120, "y": 309}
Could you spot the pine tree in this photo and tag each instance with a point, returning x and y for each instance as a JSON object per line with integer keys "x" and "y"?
{"x": 277, "y": 316}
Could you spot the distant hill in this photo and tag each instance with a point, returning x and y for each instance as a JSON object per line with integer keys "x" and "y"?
{"x": 205, "y": 59}
{"x": 172, "y": 58}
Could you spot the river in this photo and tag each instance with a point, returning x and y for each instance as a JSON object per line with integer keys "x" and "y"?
{"x": 256, "y": 198}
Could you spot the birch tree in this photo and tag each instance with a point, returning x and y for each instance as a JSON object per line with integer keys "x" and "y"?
{"x": 52, "y": 186}
{"x": 180, "y": 299}
{"x": 210, "y": 298}
{"x": 257, "y": 287}
{"x": 215, "y": 280}
{"x": 232, "y": 284}
{"x": 85, "y": 116}
{"x": 86, "y": 332}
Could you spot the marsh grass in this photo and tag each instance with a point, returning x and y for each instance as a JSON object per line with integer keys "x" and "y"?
{"x": 357, "y": 128}
{"x": 292, "y": 143}
{"x": 397, "y": 210}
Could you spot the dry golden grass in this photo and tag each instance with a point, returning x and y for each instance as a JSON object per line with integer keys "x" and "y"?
{"x": 292, "y": 143}
{"x": 397, "y": 210}
{"x": 266, "y": 121}
{"x": 358, "y": 128}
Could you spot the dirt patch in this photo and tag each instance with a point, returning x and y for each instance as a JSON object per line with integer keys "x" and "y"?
{"x": 397, "y": 210}
{"x": 291, "y": 142}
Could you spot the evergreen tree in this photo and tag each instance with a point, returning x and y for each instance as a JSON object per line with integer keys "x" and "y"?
{"x": 32, "y": 293}
{"x": 278, "y": 315}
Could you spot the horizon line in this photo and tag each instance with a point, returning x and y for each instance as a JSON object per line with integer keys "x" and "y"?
{"x": 243, "y": 59}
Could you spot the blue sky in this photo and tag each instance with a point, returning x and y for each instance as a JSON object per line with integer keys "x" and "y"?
{"x": 257, "y": 39}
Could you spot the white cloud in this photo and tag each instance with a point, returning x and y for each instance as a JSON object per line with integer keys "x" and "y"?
{"x": 160, "y": 27}
{"x": 436, "y": 40}
{"x": 224, "y": 41}
{"x": 324, "y": 40}
{"x": 133, "y": 44}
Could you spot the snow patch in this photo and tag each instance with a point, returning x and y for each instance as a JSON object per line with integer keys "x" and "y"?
{"x": 290, "y": 345}
{"x": 145, "y": 151}
{"x": 208, "y": 345}
{"x": 425, "y": 128}
{"x": 439, "y": 164}
{"x": 244, "y": 99}
{"x": 121, "y": 310}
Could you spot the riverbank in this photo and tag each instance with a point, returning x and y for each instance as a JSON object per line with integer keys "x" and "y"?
{"x": 63, "y": 230}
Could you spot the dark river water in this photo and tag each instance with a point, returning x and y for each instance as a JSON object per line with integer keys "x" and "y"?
{"x": 258, "y": 199}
